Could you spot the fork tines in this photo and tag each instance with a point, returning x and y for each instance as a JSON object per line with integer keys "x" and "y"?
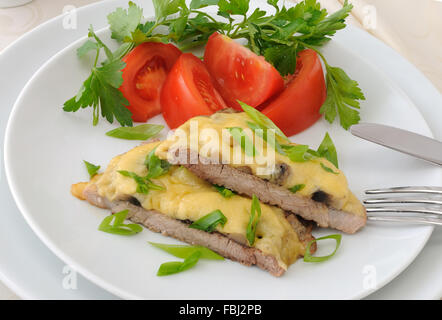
{"x": 428, "y": 213}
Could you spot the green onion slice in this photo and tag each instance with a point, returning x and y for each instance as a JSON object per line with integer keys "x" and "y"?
{"x": 254, "y": 219}
{"x": 328, "y": 169}
{"x": 91, "y": 168}
{"x": 173, "y": 267}
{"x": 327, "y": 150}
{"x": 183, "y": 251}
{"x": 262, "y": 120}
{"x": 118, "y": 227}
{"x": 297, "y": 188}
{"x": 156, "y": 167}
{"x": 244, "y": 141}
{"x": 308, "y": 256}
{"x": 210, "y": 221}
{"x": 226, "y": 193}
{"x": 141, "y": 132}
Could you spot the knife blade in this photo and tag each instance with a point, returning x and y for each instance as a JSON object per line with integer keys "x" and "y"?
{"x": 401, "y": 140}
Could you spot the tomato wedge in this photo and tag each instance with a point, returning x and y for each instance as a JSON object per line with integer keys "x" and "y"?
{"x": 188, "y": 92}
{"x": 146, "y": 69}
{"x": 297, "y": 107}
{"x": 239, "y": 73}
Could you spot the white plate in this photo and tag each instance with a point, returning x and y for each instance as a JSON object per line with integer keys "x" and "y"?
{"x": 143, "y": 248}
{"x": 27, "y": 266}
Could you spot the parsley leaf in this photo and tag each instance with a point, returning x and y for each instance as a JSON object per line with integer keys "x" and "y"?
{"x": 343, "y": 94}
{"x": 282, "y": 57}
{"x": 197, "y": 4}
{"x": 86, "y": 47}
{"x": 124, "y": 22}
{"x": 100, "y": 89}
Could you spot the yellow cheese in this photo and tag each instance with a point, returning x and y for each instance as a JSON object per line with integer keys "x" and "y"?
{"x": 186, "y": 197}
{"x": 209, "y": 131}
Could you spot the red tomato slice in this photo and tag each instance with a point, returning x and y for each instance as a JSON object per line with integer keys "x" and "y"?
{"x": 189, "y": 92}
{"x": 240, "y": 74}
{"x": 297, "y": 107}
{"x": 146, "y": 69}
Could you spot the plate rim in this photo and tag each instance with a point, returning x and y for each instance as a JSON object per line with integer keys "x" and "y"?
{"x": 98, "y": 280}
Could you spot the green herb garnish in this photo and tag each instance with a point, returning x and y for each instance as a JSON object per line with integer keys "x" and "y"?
{"x": 143, "y": 183}
{"x": 308, "y": 256}
{"x": 343, "y": 94}
{"x": 263, "y": 133}
{"x": 297, "y": 188}
{"x": 141, "y": 132}
{"x": 182, "y": 251}
{"x": 243, "y": 140}
{"x": 255, "y": 215}
{"x": 226, "y": 193}
{"x": 156, "y": 167}
{"x": 209, "y": 222}
{"x": 91, "y": 168}
{"x": 278, "y": 36}
{"x": 323, "y": 166}
{"x": 302, "y": 153}
{"x": 118, "y": 227}
{"x": 100, "y": 89}
{"x": 298, "y": 153}
{"x": 173, "y": 267}
{"x": 327, "y": 150}
{"x": 263, "y": 121}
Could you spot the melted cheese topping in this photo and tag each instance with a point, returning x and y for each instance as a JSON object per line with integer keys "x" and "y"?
{"x": 212, "y": 144}
{"x": 186, "y": 197}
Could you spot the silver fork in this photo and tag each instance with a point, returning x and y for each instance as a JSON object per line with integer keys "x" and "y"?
{"x": 428, "y": 211}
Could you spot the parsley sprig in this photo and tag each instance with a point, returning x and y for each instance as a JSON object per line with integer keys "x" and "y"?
{"x": 278, "y": 36}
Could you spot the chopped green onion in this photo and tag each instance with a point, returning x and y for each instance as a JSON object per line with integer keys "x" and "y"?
{"x": 297, "y": 153}
{"x": 118, "y": 227}
{"x": 308, "y": 256}
{"x": 262, "y": 120}
{"x": 91, "y": 168}
{"x": 226, "y": 193}
{"x": 141, "y": 132}
{"x": 210, "y": 221}
{"x": 156, "y": 167}
{"x": 182, "y": 251}
{"x": 254, "y": 219}
{"x": 143, "y": 184}
{"x": 263, "y": 134}
{"x": 328, "y": 169}
{"x": 328, "y": 150}
{"x": 240, "y": 137}
{"x": 173, "y": 267}
{"x": 297, "y": 188}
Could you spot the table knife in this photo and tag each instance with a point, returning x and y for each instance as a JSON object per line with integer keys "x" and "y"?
{"x": 401, "y": 140}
